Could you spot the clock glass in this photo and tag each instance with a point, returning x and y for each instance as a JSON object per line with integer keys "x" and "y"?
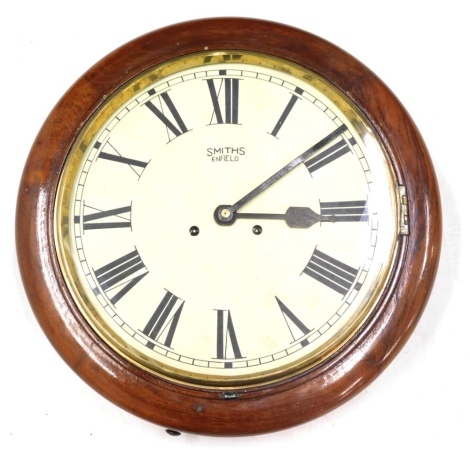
{"x": 227, "y": 219}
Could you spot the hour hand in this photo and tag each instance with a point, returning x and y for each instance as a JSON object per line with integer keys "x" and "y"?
{"x": 295, "y": 217}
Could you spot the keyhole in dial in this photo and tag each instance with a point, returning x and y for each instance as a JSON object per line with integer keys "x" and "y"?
{"x": 194, "y": 231}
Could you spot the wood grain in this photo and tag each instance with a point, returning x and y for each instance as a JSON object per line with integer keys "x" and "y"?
{"x": 256, "y": 410}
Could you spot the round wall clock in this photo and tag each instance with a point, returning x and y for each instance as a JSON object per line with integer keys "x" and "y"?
{"x": 228, "y": 226}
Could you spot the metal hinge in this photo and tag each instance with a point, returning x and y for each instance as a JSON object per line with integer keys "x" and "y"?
{"x": 404, "y": 218}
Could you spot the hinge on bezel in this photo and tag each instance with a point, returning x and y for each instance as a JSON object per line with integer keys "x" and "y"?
{"x": 403, "y": 216}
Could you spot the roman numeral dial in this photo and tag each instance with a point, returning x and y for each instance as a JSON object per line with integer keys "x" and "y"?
{"x": 224, "y": 220}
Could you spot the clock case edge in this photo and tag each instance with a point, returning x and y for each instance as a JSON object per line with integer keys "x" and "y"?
{"x": 256, "y": 410}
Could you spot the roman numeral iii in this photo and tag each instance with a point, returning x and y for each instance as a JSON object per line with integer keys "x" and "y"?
{"x": 349, "y": 211}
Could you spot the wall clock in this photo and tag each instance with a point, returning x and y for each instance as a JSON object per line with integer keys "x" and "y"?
{"x": 228, "y": 226}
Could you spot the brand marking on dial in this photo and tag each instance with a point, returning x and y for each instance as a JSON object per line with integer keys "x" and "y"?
{"x": 225, "y": 154}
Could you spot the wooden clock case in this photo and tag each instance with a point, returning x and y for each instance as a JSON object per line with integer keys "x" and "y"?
{"x": 259, "y": 409}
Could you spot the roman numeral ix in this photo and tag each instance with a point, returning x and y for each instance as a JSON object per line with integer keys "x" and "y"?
{"x": 95, "y": 219}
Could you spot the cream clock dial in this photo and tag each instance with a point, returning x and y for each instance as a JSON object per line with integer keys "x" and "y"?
{"x": 227, "y": 219}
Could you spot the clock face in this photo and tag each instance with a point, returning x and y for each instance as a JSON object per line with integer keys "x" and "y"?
{"x": 269, "y": 284}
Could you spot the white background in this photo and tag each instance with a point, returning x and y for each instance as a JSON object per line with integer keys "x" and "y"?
{"x": 420, "y": 50}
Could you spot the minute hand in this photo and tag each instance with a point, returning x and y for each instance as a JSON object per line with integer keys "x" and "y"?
{"x": 286, "y": 169}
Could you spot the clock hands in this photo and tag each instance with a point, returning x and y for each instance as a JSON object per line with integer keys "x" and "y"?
{"x": 225, "y": 214}
{"x": 295, "y": 217}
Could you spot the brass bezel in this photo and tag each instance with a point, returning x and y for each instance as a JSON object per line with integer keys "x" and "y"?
{"x": 62, "y": 221}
